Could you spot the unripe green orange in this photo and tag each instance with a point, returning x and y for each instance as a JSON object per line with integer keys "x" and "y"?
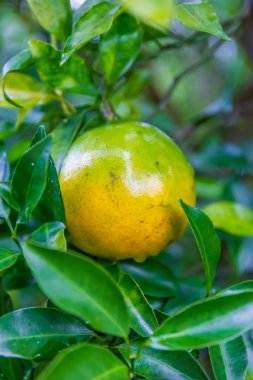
{"x": 120, "y": 185}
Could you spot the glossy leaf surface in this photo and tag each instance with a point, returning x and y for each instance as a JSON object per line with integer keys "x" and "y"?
{"x": 38, "y": 333}
{"x": 120, "y": 46}
{"x": 206, "y": 239}
{"x": 90, "y": 25}
{"x": 79, "y": 286}
{"x": 229, "y": 360}
{"x": 206, "y": 323}
{"x": 87, "y": 362}
{"x": 153, "y": 277}
{"x": 156, "y": 365}
{"x": 51, "y": 234}
{"x": 142, "y": 317}
{"x": 33, "y": 167}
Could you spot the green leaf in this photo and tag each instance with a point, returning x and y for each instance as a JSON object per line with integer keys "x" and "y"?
{"x": 206, "y": 323}
{"x": 38, "y": 333}
{"x": 154, "y": 279}
{"x": 87, "y": 362}
{"x": 21, "y": 90}
{"x": 7, "y": 258}
{"x": 120, "y": 46}
{"x": 142, "y": 318}
{"x": 229, "y": 360}
{"x": 51, "y": 235}
{"x": 231, "y": 217}
{"x": 50, "y": 206}
{"x": 63, "y": 136}
{"x": 156, "y": 365}
{"x": 73, "y": 76}
{"x": 200, "y": 16}
{"x": 206, "y": 239}
{"x": 12, "y": 369}
{"x": 79, "y": 286}
{"x": 90, "y": 25}
{"x": 19, "y": 62}
{"x": 30, "y": 178}
{"x": 158, "y": 13}
{"x": 55, "y": 16}
{"x": 239, "y": 287}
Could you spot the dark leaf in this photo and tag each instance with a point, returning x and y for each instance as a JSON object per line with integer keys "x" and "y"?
{"x": 154, "y": 279}
{"x": 206, "y": 239}
{"x": 157, "y": 365}
{"x": 51, "y": 205}
{"x": 30, "y": 178}
{"x": 38, "y": 333}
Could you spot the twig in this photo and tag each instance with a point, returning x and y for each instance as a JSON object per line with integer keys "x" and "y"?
{"x": 194, "y": 66}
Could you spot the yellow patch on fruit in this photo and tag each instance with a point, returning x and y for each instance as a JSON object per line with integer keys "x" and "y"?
{"x": 120, "y": 185}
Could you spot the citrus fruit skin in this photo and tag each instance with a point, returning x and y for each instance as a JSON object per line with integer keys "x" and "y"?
{"x": 120, "y": 185}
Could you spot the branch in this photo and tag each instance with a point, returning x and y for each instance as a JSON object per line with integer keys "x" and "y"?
{"x": 194, "y": 66}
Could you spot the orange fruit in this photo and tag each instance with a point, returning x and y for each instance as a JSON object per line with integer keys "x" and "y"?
{"x": 120, "y": 185}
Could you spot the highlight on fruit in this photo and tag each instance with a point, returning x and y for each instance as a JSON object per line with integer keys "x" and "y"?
{"x": 121, "y": 184}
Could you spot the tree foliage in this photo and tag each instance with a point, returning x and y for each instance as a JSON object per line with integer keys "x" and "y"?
{"x": 186, "y": 68}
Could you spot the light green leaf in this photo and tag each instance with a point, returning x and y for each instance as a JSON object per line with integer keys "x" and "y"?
{"x": 200, "y": 16}
{"x": 158, "y": 13}
{"x": 206, "y": 323}
{"x": 142, "y": 318}
{"x": 87, "y": 362}
{"x": 24, "y": 91}
{"x": 39, "y": 333}
{"x": 19, "y": 62}
{"x": 229, "y": 360}
{"x": 231, "y": 217}
{"x": 120, "y": 46}
{"x": 73, "y": 76}
{"x": 79, "y": 286}
{"x": 90, "y": 25}
{"x": 206, "y": 239}
{"x": 55, "y": 16}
